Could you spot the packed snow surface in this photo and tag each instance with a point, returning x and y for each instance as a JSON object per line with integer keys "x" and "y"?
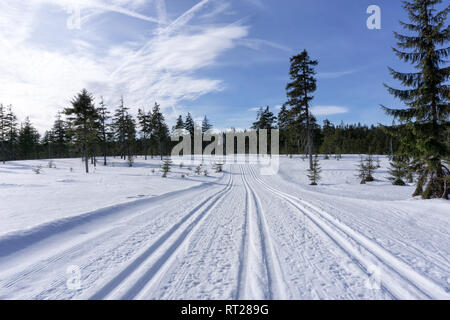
{"x": 127, "y": 233}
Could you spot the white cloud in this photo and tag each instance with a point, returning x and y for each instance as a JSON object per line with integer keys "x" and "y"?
{"x": 334, "y": 75}
{"x": 39, "y": 79}
{"x": 328, "y": 110}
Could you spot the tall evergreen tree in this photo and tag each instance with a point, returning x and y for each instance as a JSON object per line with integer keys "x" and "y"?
{"x": 59, "y": 136}
{"x": 265, "y": 119}
{"x": 12, "y": 132}
{"x": 83, "y": 116}
{"x": 160, "y": 129}
{"x": 28, "y": 140}
{"x": 180, "y": 123}
{"x": 427, "y": 97}
{"x": 120, "y": 127}
{"x": 3, "y": 132}
{"x": 299, "y": 94}
{"x": 145, "y": 123}
{"x": 103, "y": 127}
{"x": 206, "y": 125}
{"x": 189, "y": 124}
{"x": 284, "y": 124}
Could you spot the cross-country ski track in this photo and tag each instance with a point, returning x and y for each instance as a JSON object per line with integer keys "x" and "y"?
{"x": 236, "y": 237}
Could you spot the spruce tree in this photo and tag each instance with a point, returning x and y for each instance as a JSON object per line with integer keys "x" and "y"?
{"x": 427, "y": 97}
{"x": 120, "y": 127}
{"x": 180, "y": 123}
{"x": 285, "y": 125}
{"x": 299, "y": 92}
{"x": 12, "y": 132}
{"x": 103, "y": 126}
{"x": 166, "y": 167}
{"x": 206, "y": 125}
{"x": 370, "y": 168}
{"x": 3, "y": 131}
{"x": 59, "y": 137}
{"x": 83, "y": 116}
{"x": 314, "y": 172}
{"x": 189, "y": 124}
{"x": 28, "y": 140}
{"x": 160, "y": 129}
{"x": 145, "y": 123}
{"x": 398, "y": 170}
{"x": 362, "y": 171}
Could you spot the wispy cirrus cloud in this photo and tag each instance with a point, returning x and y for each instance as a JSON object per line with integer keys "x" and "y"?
{"x": 328, "y": 110}
{"x": 336, "y": 74}
{"x": 163, "y": 67}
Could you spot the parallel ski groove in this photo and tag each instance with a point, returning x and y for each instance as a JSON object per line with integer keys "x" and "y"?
{"x": 125, "y": 275}
{"x": 275, "y": 281}
{"x": 394, "y": 269}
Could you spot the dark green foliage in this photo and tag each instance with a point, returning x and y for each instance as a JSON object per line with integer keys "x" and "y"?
{"x": 189, "y": 124}
{"x": 398, "y": 170}
{"x": 166, "y": 167}
{"x": 104, "y": 132}
{"x": 299, "y": 90}
{"x": 28, "y": 140}
{"x": 314, "y": 172}
{"x": 82, "y": 117}
{"x": 180, "y": 123}
{"x": 265, "y": 119}
{"x": 425, "y": 119}
{"x": 366, "y": 167}
{"x": 160, "y": 132}
{"x": 206, "y": 125}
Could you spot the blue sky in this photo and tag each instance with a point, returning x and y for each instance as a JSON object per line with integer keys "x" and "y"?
{"x": 220, "y": 58}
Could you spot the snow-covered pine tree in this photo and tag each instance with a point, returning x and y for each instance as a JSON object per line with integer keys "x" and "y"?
{"x": 166, "y": 167}
{"x": 198, "y": 169}
{"x": 398, "y": 170}
{"x": 314, "y": 173}
{"x": 298, "y": 91}
{"x": 427, "y": 97}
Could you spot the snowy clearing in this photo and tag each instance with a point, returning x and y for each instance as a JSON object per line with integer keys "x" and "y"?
{"x": 127, "y": 233}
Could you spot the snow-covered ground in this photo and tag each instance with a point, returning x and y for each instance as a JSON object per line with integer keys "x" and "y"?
{"x": 127, "y": 233}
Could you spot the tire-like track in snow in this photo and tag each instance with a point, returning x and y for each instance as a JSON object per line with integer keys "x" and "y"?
{"x": 395, "y": 277}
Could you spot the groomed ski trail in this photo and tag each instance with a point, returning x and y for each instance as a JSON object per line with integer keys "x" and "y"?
{"x": 395, "y": 277}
